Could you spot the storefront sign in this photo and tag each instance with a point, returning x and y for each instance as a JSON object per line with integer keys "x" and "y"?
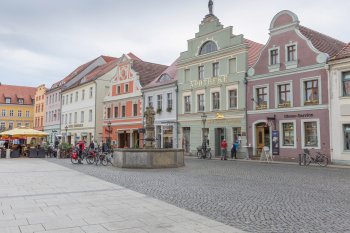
{"x": 219, "y": 116}
{"x": 209, "y": 82}
{"x": 306, "y": 115}
{"x": 223, "y": 121}
{"x": 75, "y": 126}
{"x": 275, "y": 142}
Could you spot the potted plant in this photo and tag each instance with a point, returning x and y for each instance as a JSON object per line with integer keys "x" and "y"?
{"x": 169, "y": 109}
{"x": 159, "y": 110}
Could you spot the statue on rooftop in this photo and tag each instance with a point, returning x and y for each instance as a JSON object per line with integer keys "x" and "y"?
{"x": 210, "y": 6}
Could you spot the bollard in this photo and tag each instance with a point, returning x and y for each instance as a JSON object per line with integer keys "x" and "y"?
{"x": 299, "y": 159}
{"x": 304, "y": 159}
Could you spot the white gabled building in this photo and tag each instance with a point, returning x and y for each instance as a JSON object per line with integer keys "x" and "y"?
{"x": 339, "y": 85}
{"x": 82, "y": 97}
{"x": 161, "y": 93}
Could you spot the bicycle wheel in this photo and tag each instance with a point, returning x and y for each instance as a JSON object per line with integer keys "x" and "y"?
{"x": 323, "y": 162}
{"x": 307, "y": 160}
{"x": 74, "y": 161}
{"x": 209, "y": 155}
{"x": 199, "y": 154}
{"x": 90, "y": 159}
{"x": 104, "y": 161}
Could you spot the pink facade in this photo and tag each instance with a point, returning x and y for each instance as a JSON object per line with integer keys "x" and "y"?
{"x": 287, "y": 92}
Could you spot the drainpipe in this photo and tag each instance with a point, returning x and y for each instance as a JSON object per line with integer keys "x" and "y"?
{"x": 176, "y": 117}
{"x": 246, "y": 109}
{"x": 327, "y": 67}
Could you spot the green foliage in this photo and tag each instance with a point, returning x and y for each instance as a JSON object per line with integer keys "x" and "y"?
{"x": 65, "y": 146}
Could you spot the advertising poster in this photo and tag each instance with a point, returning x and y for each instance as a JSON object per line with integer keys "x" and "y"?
{"x": 275, "y": 142}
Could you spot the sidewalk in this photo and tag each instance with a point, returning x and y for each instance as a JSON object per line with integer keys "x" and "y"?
{"x": 39, "y": 196}
{"x": 273, "y": 162}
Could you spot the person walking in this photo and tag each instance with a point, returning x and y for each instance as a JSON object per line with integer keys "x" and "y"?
{"x": 81, "y": 147}
{"x": 234, "y": 150}
{"x": 223, "y": 150}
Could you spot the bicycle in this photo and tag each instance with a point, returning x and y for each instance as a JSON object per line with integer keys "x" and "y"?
{"x": 102, "y": 158}
{"x": 91, "y": 156}
{"x": 203, "y": 154}
{"x": 320, "y": 158}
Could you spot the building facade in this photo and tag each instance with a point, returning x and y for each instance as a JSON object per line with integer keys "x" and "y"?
{"x": 339, "y": 85}
{"x": 211, "y": 76}
{"x": 287, "y": 97}
{"x": 123, "y": 115}
{"x": 39, "y": 108}
{"x": 161, "y": 94}
{"x": 16, "y": 106}
{"x": 82, "y": 101}
{"x": 53, "y": 113}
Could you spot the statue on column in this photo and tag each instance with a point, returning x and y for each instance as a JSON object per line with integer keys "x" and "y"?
{"x": 210, "y": 6}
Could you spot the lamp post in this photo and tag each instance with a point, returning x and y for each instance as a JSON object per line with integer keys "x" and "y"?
{"x": 109, "y": 134}
{"x": 66, "y": 128}
{"x": 204, "y": 119}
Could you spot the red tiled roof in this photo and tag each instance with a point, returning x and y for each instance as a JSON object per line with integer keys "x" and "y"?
{"x": 171, "y": 71}
{"x": 254, "y": 49}
{"x": 101, "y": 70}
{"x": 323, "y": 43}
{"x": 147, "y": 71}
{"x": 15, "y": 92}
{"x": 133, "y": 56}
{"x": 343, "y": 53}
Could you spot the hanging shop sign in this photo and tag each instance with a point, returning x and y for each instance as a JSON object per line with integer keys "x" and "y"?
{"x": 275, "y": 142}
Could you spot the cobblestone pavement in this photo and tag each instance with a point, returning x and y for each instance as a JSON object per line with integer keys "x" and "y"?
{"x": 254, "y": 197}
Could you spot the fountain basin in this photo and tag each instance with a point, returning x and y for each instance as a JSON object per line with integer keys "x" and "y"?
{"x": 148, "y": 158}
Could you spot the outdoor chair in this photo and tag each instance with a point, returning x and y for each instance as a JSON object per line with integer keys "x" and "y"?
{"x": 15, "y": 154}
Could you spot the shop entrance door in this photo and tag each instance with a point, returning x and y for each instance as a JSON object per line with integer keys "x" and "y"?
{"x": 262, "y": 137}
{"x": 186, "y": 139}
{"x": 219, "y": 136}
{"x": 124, "y": 140}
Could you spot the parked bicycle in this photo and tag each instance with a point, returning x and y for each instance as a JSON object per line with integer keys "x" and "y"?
{"x": 317, "y": 158}
{"x": 204, "y": 153}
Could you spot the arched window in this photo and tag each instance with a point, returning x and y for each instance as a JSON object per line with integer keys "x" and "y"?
{"x": 208, "y": 47}
{"x": 164, "y": 78}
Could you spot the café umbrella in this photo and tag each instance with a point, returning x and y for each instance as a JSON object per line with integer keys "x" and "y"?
{"x": 23, "y": 132}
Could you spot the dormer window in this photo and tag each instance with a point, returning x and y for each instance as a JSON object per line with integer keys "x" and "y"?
{"x": 20, "y": 101}
{"x": 164, "y": 78}
{"x": 208, "y": 47}
{"x": 291, "y": 53}
{"x": 7, "y": 100}
{"x": 274, "y": 57}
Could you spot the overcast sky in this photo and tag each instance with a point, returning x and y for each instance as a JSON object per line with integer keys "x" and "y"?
{"x": 42, "y": 41}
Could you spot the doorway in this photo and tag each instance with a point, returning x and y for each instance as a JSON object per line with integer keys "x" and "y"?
{"x": 124, "y": 140}
{"x": 186, "y": 142}
{"x": 262, "y": 137}
{"x": 220, "y": 134}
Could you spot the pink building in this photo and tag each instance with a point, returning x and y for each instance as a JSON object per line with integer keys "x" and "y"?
{"x": 287, "y": 92}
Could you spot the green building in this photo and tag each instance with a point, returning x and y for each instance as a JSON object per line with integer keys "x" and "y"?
{"x": 211, "y": 85}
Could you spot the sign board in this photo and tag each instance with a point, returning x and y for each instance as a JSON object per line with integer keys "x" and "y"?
{"x": 275, "y": 142}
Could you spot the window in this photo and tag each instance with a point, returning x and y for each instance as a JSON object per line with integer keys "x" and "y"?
{"x": 19, "y": 113}
{"x": 66, "y": 119}
{"x": 27, "y": 114}
{"x": 75, "y": 117}
{"x": 82, "y": 117}
{"x": 123, "y": 111}
{"x": 232, "y": 66}
{"x": 216, "y": 69}
{"x": 346, "y": 129}
{"x": 126, "y": 88}
{"x": 216, "y": 100}
{"x": 208, "y": 47}
{"x": 70, "y": 118}
{"x": 291, "y": 53}
{"x": 62, "y": 100}
{"x": 187, "y": 75}
{"x": 200, "y": 102}
{"x": 284, "y": 95}
{"x": 187, "y": 100}
{"x": 274, "y": 59}
{"x": 2, "y": 125}
{"x": 82, "y": 94}
{"x": 159, "y": 102}
{"x": 48, "y": 116}
{"x": 310, "y": 134}
{"x": 20, "y": 101}
{"x": 7, "y": 100}
{"x": 19, "y": 124}
{"x": 50, "y": 99}
{"x": 288, "y": 134}
{"x": 201, "y": 72}
{"x": 261, "y": 95}
{"x": 66, "y": 99}
{"x": 3, "y": 112}
{"x": 346, "y": 84}
{"x": 164, "y": 78}
{"x": 170, "y": 101}
{"x": 116, "y": 112}
{"x": 91, "y": 92}
{"x": 118, "y": 90}
{"x": 150, "y": 101}
{"x": 311, "y": 92}
{"x": 236, "y": 133}
{"x": 76, "y": 96}
{"x": 10, "y": 125}
{"x": 232, "y": 98}
{"x": 108, "y": 113}
{"x": 27, "y": 124}
{"x": 11, "y": 113}
{"x": 90, "y": 115}
{"x": 135, "y": 109}
{"x": 55, "y": 97}
{"x": 71, "y": 98}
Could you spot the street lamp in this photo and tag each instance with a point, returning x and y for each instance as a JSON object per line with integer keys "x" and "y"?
{"x": 66, "y": 128}
{"x": 109, "y": 134}
{"x": 204, "y": 119}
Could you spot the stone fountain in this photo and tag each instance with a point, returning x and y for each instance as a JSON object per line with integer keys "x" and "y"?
{"x": 149, "y": 157}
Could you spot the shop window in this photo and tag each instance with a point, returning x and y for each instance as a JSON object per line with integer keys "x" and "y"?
{"x": 311, "y": 134}
{"x": 201, "y": 103}
{"x": 284, "y": 96}
{"x": 150, "y": 101}
{"x": 232, "y": 98}
{"x": 261, "y": 96}
{"x": 216, "y": 69}
{"x": 288, "y": 137}
{"x": 311, "y": 96}
{"x": 346, "y": 84}
{"x": 187, "y": 100}
{"x": 200, "y": 72}
{"x": 2, "y": 125}
{"x": 10, "y": 125}
{"x": 216, "y": 100}
{"x": 236, "y": 132}
{"x": 346, "y": 129}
